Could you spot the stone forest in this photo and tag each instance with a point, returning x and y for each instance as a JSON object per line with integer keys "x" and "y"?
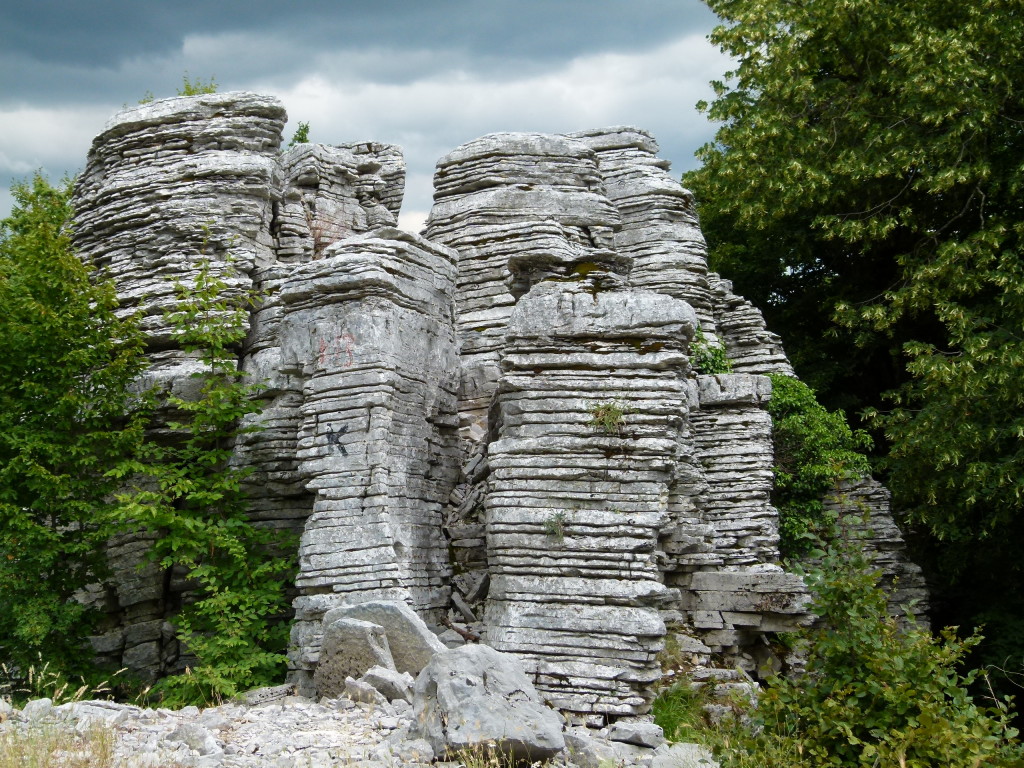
{"x": 514, "y": 481}
{"x": 496, "y": 422}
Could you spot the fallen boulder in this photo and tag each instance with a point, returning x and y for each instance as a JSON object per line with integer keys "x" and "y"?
{"x": 350, "y": 648}
{"x": 474, "y": 698}
{"x": 410, "y": 640}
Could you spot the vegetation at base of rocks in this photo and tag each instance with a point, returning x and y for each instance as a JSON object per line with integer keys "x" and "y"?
{"x": 73, "y": 432}
{"x": 485, "y": 756}
{"x": 197, "y": 86}
{"x": 186, "y": 489}
{"x": 863, "y": 190}
{"x": 874, "y": 694}
{"x": 45, "y": 681}
{"x": 608, "y": 417}
{"x": 67, "y": 413}
{"x": 815, "y": 450}
{"x": 301, "y": 135}
{"x": 679, "y": 710}
{"x": 707, "y": 358}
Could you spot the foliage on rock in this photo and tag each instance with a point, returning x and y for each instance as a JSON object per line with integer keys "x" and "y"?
{"x": 608, "y": 417}
{"x": 187, "y": 491}
{"x": 301, "y": 135}
{"x": 707, "y": 358}
{"x": 67, "y": 362}
{"x": 815, "y": 450}
{"x": 196, "y": 86}
{"x": 878, "y": 694}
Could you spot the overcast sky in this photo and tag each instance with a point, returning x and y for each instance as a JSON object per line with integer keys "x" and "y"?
{"x": 425, "y": 74}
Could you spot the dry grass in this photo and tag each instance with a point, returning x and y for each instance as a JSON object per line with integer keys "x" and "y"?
{"x": 50, "y": 746}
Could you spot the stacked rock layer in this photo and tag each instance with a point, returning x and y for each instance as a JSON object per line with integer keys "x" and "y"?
{"x": 600, "y": 486}
{"x": 497, "y": 199}
{"x": 368, "y": 329}
{"x": 168, "y": 187}
{"x": 591, "y": 401}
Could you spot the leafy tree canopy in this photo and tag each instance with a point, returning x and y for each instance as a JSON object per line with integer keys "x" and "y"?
{"x": 868, "y": 170}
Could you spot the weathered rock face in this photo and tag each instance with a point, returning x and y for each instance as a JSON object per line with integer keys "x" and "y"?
{"x": 368, "y": 330}
{"x": 589, "y": 410}
{"x": 505, "y": 405}
{"x": 499, "y": 199}
{"x": 168, "y": 186}
{"x": 353, "y": 344}
{"x": 864, "y": 509}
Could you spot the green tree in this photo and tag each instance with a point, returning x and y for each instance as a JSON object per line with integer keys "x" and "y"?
{"x": 187, "y": 490}
{"x": 815, "y": 450}
{"x": 301, "y": 135}
{"x": 867, "y": 175}
{"x": 66, "y": 367}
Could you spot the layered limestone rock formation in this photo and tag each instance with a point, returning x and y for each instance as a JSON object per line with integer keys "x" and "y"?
{"x": 499, "y": 418}
{"x": 368, "y": 329}
{"x": 589, "y": 408}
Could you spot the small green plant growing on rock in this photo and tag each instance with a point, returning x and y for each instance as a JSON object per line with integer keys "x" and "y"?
{"x": 197, "y": 87}
{"x": 707, "y": 358}
{"x": 301, "y": 135}
{"x": 608, "y": 417}
{"x": 554, "y": 526}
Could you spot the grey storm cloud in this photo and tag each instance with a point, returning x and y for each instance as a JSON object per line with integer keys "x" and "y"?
{"x": 427, "y": 75}
{"x": 89, "y": 43}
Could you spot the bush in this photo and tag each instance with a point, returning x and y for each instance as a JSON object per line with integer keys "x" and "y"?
{"x": 66, "y": 365}
{"x": 814, "y": 451}
{"x": 875, "y": 694}
{"x": 188, "y": 492}
{"x": 196, "y": 87}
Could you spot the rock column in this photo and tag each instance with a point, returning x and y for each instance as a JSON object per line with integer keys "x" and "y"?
{"x": 589, "y": 412}
{"x": 369, "y": 330}
{"x": 168, "y": 186}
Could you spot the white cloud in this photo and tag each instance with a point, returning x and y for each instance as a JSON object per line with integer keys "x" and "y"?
{"x": 369, "y": 94}
{"x": 655, "y": 90}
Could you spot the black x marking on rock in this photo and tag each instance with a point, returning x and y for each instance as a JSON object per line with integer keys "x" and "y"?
{"x": 334, "y": 438}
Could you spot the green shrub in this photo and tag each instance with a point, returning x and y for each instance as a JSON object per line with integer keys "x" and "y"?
{"x": 197, "y": 87}
{"x": 815, "y": 450}
{"x": 874, "y": 694}
{"x": 706, "y": 358}
{"x": 187, "y": 491}
{"x": 301, "y": 135}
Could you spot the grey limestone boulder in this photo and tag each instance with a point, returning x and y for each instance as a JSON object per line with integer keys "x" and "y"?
{"x": 393, "y": 685}
{"x": 643, "y": 734}
{"x": 357, "y": 690}
{"x": 195, "y": 737}
{"x": 683, "y": 755}
{"x": 473, "y": 697}
{"x": 350, "y": 647}
{"x": 410, "y": 640}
